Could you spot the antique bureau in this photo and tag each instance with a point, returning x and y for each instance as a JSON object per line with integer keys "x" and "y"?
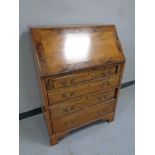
{"x": 80, "y": 70}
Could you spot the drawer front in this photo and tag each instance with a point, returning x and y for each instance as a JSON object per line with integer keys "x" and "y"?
{"x": 83, "y": 117}
{"x": 71, "y": 106}
{"x": 73, "y": 92}
{"x": 80, "y": 77}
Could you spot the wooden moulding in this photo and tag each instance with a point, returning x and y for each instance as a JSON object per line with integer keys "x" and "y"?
{"x": 56, "y": 137}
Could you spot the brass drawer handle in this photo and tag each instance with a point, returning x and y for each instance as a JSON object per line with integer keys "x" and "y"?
{"x": 104, "y": 73}
{"x": 107, "y": 72}
{"x": 66, "y": 83}
{"x": 69, "y": 96}
{"x": 102, "y": 98}
{"x": 106, "y": 83}
{"x": 65, "y": 96}
{"x": 67, "y": 109}
{"x": 72, "y": 94}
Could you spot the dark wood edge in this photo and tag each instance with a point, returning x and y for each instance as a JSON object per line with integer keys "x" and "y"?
{"x": 65, "y": 74}
{"x": 70, "y": 26}
{"x": 39, "y": 110}
{"x": 36, "y": 57}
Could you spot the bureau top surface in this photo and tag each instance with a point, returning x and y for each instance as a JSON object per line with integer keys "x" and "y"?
{"x": 65, "y": 49}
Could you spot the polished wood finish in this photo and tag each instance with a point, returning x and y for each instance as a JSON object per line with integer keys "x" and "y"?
{"x": 71, "y": 106}
{"x": 57, "y": 96}
{"x": 67, "y": 49}
{"x": 55, "y": 137}
{"x": 80, "y": 77}
{"x": 80, "y": 70}
{"x": 83, "y": 116}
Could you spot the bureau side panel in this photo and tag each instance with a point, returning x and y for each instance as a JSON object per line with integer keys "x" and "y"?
{"x": 45, "y": 107}
{"x": 41, "y": 81}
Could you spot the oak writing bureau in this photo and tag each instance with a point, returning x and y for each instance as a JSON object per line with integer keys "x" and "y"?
{"x": 80, "y": 70}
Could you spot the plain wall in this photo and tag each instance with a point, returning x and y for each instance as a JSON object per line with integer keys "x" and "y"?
{"x": 65, "y": 12}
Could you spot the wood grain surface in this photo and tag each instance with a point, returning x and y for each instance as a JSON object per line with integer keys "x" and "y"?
{"x": 80, "y": 71}
{"x": 67, "y": 49}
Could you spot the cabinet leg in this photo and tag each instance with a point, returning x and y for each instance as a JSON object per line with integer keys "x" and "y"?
{"x": 55, "y": 137}
{"x": 111, "y": 118}
{"x": 54, "y": 140}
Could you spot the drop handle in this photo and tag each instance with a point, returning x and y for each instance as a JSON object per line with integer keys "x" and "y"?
{"x": 65, "y": 96}
{"x": 102, "y": 98}
{"x": 69, "y": 96}
{"x": 67, "y": 109}
{"x": 66, "y": 83}
{"x": 105, "y": 73}
{"x": 106, "y": 83}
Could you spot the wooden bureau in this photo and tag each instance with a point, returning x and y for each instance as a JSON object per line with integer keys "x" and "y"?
{"x": 80, "y": 70}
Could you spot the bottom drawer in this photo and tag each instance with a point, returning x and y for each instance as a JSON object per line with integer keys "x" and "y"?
{"x": 83, "y": 117}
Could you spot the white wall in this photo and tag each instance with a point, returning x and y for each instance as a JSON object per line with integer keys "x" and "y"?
{"x": 60, "y": 12}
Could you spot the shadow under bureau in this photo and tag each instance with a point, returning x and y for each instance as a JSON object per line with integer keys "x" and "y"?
{"x": 80, "y": 70}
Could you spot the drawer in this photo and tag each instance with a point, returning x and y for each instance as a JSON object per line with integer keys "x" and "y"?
{"x": 57, "y": 96}
{"x": 68, "y": 107}
{"x": 69, "y": 80}
{"x": 83, "y": 117}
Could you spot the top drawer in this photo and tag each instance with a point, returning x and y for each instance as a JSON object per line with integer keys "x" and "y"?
{"x": 79, "y": 77}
